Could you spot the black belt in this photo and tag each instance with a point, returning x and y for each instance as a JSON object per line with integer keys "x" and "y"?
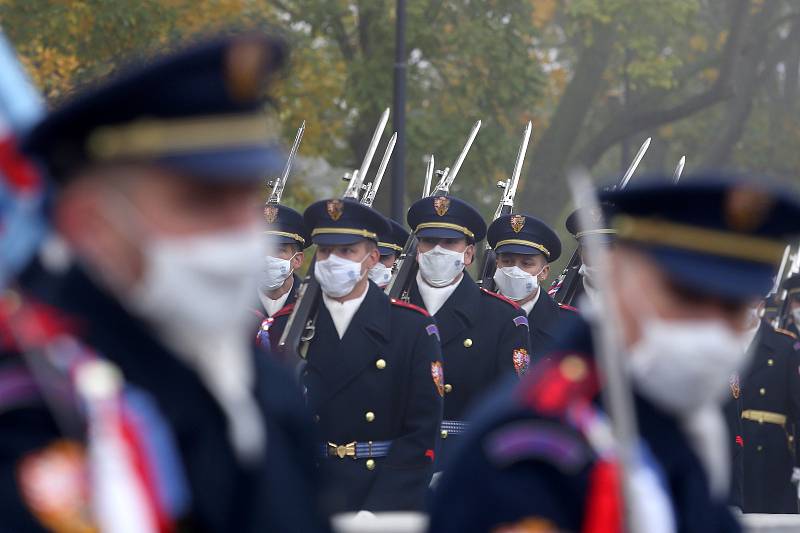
{"x": 357, "y": 450}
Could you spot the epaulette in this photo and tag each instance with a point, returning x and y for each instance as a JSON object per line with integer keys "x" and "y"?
{"x": 401, "y": 303}
{"x": 502, "y": 298}
{"x": 786, "y": 332}
{"x": 568, "y": 308}
{"x": 538, "y": 440}
{"x": 559, "y": 382}
{"x": 285, "y": 310}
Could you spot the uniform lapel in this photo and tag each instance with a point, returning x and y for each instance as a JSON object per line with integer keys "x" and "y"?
{"x": 460, "y": 311}
{"x": 366, "y": 337}
{"x": 542, "y": 320}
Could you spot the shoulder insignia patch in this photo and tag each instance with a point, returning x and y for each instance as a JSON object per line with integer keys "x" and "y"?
{"x": 735, "y": 387}
{"x": 53, "y": 482}
{"x": 437, "y": 372}
{"x": 521, "y": 321}
{"x": 401, "y": 303}
{"x": 786, "y": 332}
{"x": 431, "y": 329}
{"x": 501, "y": 298}
{"x": 522, "y": 361}
{"x": 537, "y": 440}
{"x": 568, "y": 308}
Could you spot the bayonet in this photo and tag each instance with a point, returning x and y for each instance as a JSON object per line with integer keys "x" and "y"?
{"x": 443, "y": 187}
{"x": 372, "y": 188}
{"x": 426, "y": 188}
{"x": 676, "y": 177}
{"x": 279, "y": 184}
{"x": 631, "y": 169}
{"x": 356, "y": 181}
{"x": 510, "y": 185}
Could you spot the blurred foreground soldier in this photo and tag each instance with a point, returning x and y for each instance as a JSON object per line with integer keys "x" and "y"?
{"x": 763, "y": 412}
{"x": 484, "y": 335}
{"x": 287, "y": 237}
{"x": 373, "y": 372}
{"x": 688, "y": 260}
{"x": 603, "y": 236}
{"x": 525, "y": 247}
{"x": 390, "y": 245}
{"x": 150, "y": 273}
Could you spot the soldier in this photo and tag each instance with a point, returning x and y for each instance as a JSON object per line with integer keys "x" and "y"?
{"x": 688, "y": 260}
{"x": 373, "y": 372}
{"x": 484, "y": 335}
{"x": 763, "y": 411}
{"x": 278, "y": 282}
{"x": 603, "y": 236}
{"x": 390, "y": 245}
{"x": 525, "y": 247}
{"x": 150, "y": 274}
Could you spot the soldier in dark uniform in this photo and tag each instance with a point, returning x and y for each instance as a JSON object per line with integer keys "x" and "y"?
{"x": 792, "y": 287}
{"x": 278, "y": 282}
{"x": 484, "y": 335}
{"x": 688, "y": 260}
{"x": 765, "y": 408}
{"x": 603, "y": 236}
{"x": 373, "y": 372}
{"x": 525, "y": 247}
{"x": 390, "y": 245}
{"x": 150, "y": 274}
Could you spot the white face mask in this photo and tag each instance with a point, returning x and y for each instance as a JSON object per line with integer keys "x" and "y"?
{"x": 440, "y": 267}
{"x": 515, "y": 283}
{"x": 274, "y": 273}
{"x": 685, "y": 365}
{"x": 796, "y": 316}
{"x": 337, "y": 276}
{"x": 380, "y": 274}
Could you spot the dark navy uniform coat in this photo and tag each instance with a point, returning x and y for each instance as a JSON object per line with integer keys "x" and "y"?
{"x": 763, "y": 463}
{"x": 272, "y": 326}
{"x": 276, "y": 493}
{"x": 525, "y": 461}
{"x": 484, "y": 338}
{"x": 543, "y": 321}
{"x": 381, "y": 382}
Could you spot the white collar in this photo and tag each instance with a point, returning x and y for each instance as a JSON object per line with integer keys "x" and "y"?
{"x": 342, "y": 312}
{"x": 528, "y": 306}
{"x": 435, "y": 297}
{"x": 273, "y": 306}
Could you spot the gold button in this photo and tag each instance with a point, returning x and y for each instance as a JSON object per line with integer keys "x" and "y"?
{"x": 370, "y": 464}
{"x": 370, "y": 416}
{"x": 380, "y": 364}
{"x": 467, "y": 343}
{"x": 444, "y": 433}
{"x": 448, "y": 388}
{"x": 762, "y": 391}
{"x": 573, "y": 368}
{"x": 770, "y": 362}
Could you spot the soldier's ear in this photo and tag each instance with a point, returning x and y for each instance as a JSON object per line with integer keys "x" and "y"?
{"x": 545, "y": 273}
{"x": 297, "y": 260}
{"x": 469, "y": 254}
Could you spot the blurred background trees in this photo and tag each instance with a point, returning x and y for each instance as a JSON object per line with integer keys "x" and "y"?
{"x": 715, "y": 80}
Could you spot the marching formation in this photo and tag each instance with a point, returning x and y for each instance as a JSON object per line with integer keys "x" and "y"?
{"x": 177, "y": 354}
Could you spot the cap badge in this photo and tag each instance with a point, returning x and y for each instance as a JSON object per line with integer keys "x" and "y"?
{"x": 335, "y": 209}
{"x": 735, "y": 388}
{"x": 746, "y": 208}
{"x": 270, "y": 214}
{"x": 441, "y": 204}
{"x": 517, "y": 223}
{"x": 438, "y": 377}
{"x": 522, "y": 360}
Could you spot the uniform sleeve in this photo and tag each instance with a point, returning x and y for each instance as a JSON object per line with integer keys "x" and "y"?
{"x": 408, "y": 468}
{"x": 476, "y": 494}
{"x": 513, "y": 351}
{"x": 793, "y": 375}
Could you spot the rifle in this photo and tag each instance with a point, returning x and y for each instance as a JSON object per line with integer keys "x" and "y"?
{"x": 279, "y": 184}
{"x": 505, "y": 207}
{"x": 372, "y": 189}
{"x": 426, "y": 188}
{"x": 406, "y": 265}
{"x": 565, "y": 288}
{"x": 300, "y": 326}
{"x": 783, "y": 302}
